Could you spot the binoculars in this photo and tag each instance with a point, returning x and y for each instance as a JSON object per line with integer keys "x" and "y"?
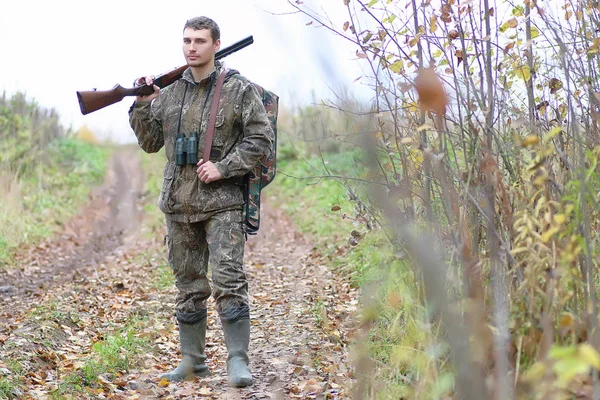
{"x": 186, "y": 149}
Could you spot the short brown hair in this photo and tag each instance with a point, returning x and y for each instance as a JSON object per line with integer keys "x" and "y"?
{"x": 204, "y": 23}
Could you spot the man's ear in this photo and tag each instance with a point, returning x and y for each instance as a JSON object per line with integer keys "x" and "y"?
{"x": 217, "y": 45}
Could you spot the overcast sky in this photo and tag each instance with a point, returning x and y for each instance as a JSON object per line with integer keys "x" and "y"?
{"x": 51, "y": 49}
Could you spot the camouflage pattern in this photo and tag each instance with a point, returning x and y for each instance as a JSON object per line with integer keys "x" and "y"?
{"x": 264, "y": 172}
{"x": 219, "y": 242}
{"x": 243, "y": 135}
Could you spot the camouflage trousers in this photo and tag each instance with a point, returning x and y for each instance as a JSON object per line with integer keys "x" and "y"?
{"x": 217, "y": 242}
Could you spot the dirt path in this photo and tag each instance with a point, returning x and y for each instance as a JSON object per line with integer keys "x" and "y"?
{"x": 102, "y": 271}
{"x": 111, "y": 215}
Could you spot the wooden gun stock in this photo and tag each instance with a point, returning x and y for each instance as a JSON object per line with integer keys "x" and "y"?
{"x": 93, "y": 100}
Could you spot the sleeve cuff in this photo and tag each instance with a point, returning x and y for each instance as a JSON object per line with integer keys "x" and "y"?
{"x": 223, "y": 170}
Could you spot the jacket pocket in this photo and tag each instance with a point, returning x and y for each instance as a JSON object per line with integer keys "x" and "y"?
{"x": 165, "y": 201}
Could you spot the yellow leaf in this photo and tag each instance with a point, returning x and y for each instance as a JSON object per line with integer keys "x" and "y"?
{"x": 412, "y": 106}
{"x": 566, "y": 320}
{"x": 534, "y": 32}
{"x": 523, "y": 72}
{"x": 593, "y": 49}
{"x": 413, "y": 41}
{"x": 163, "y": 382}
{"x": 397, "y": 66}
{"x": 553, "y": 133}
{"x": 560, "y": 219}
{"x": 546, "y": 236}
{"x": 519, "y": 250}
{"x": 569, "y": 209}
{"x": 559, "y": 352}
{"x": 433, "y": 24}
{"x": 530, "y": 141}
{"x": 535, "y": 373}
{"x": 417, "y": 157}
{"x": 517, "y": 11}
{"x": 511, "y": 23}
{"x": 589, "y": 354}
{"x": 568, "y": 368}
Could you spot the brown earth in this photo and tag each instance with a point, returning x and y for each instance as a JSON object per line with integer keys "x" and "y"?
{"x": 105, "y": 269}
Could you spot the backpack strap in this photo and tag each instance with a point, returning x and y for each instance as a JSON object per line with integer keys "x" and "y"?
{"x": 213, "y": 116}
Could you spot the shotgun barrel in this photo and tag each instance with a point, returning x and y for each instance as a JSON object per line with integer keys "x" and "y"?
{"x": 93, "y": 100}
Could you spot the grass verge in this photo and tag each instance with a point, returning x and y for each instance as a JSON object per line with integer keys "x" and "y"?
{"x": 40, "y": 201}
{"x": 398, "y": 341}
{"x": 116, "y": 354}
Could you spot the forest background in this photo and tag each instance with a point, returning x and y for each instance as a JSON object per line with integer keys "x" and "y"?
{"x": 462, "y": 200}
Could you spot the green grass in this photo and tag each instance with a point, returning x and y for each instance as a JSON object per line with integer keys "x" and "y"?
{"x": 116, "y": 353}
{"x": 50, "y": 311}
{"x": 319, "y": 312}
{"x": 49, "y": 194}
{"x": 7, "y": 388}
{"x": 399, "y": 341}
{"x": 164, "y": 278}
{"x": 121, "y": 350}
{"x": 303, "y": 190}
{"x": 153, "y": 165}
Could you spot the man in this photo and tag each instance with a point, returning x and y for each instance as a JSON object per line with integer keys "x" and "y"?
{"x": 203, "y": 202}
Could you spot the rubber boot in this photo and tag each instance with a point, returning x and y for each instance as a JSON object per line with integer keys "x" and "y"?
{"x": 237, "y": 340}
{"x": 192, "y": 339}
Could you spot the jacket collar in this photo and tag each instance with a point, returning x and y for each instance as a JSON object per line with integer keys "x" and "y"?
{"x": 188, "y": 77}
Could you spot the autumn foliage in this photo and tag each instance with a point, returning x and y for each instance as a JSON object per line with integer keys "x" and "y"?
{"x": 485, "y": 174}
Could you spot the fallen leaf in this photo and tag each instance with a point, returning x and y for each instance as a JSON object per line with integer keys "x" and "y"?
{"x": 163, "y": 382}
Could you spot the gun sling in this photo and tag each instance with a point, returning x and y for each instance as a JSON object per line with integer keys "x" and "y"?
{"x": 214, "y": 108}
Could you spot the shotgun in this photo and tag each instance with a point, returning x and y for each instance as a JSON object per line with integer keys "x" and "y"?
{"x": 93, "y": 100}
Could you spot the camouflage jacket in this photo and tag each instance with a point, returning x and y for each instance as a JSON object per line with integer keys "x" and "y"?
{"x": 242, "y": 136}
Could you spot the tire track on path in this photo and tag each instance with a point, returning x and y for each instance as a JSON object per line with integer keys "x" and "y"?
{"x": 72, "y": 254}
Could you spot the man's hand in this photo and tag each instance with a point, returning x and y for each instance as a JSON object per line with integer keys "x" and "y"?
{"x": 207, "y": 172}
{"x": 148, "y": 81}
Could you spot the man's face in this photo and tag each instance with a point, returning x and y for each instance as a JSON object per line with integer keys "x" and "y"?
{"x": 198, "y": 46}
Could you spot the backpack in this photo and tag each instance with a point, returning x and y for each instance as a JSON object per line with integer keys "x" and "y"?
{"x": 264, "y": 172}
